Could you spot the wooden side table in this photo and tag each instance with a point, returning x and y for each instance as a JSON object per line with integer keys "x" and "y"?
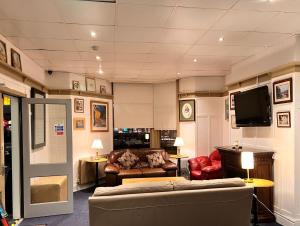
{"x": 97, "y": 161}
{"x": 258, "y": 183}
{"x": 179, "y": 157}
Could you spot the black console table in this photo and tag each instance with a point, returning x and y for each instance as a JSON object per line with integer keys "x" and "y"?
{"x": 263, "y": 169}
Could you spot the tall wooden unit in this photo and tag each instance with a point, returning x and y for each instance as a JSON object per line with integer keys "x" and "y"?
{"x": 263, "y": 169}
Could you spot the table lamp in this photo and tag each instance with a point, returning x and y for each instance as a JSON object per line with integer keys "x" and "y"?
{"x": 97, "y": 144}
{"x": 248, "y": 163}
{"x": 178, "y": 143}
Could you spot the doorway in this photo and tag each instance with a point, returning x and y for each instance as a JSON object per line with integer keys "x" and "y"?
{"x": 10, "y": 143}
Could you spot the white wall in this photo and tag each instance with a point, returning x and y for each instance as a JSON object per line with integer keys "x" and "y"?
{"x": 209, "y": 83}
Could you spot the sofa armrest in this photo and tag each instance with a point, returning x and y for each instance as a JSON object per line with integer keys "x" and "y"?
{"x": 169, "y": 166}
{"x": 112, "y": 169}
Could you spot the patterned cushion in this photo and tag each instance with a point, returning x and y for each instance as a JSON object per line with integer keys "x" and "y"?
{"x": 128, "y": 160}
{"x": 141, "y": 165}
{"x": 155, "y": 160}
{"x": 118, "y": 165}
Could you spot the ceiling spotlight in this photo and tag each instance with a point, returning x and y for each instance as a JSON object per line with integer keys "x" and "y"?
{"x": 101, "y": 72}
{"x": 195, "y": 60}
{"x": 221, "y": 39}
{"x": 178, "y": 73}
{"x": 98, "y": 58}
{"x": 93, "y": 34}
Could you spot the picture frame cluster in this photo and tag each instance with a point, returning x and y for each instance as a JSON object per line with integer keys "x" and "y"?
{"x": 15, "y": 56}
{"x": 90, "y": 86}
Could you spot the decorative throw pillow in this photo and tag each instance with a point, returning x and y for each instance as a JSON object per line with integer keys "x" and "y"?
{"x": 128, "y": 160}
{"x": 155, "y": 160}
{"x": 141, "y": 165}
{"x": 118, "y": 165}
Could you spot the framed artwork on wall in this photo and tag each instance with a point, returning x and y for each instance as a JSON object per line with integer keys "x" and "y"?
{"x": 102, "y": 89}
{"x": 16, "y": 60}
{"x": 90, "y": 84}
{"x": 233, "y": 122}
{"x": 283, "y": 119}
{"x": 99, "y": 116}
{"x": 227, "y": 109}
{"x": 186, "y": 110}
{"x": 3, "y": 53}
{"x": 78, "y": 105}
{"x": 232, "y": 104}
{"x": 75, "y": 85}
{"x": 283, "y": 91}
{"x": 38, "y": 121}
{"x": 79, "y": 123}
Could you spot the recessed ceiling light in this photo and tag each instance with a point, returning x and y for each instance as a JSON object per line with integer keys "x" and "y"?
{"x": 93, "y": 34}
{"x": 178, "y": 73}
{"x": 195, "y": 60}
{"x": 221, "y": 39}
{"x": 101, "y": 72}
{"x": 98, "y": 58}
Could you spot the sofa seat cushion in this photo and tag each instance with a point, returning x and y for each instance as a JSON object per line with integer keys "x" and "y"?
{"x": 135, "y": 188}
{"x": 196, "y": 175}
{"x": 207, "y": 184}
{"x": 140, "y": 165}
{"x": 130, "y": 173}
{"x": 153, "y": 172}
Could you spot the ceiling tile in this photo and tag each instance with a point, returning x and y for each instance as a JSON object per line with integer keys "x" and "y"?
{"x": 52, "y": 44}
{"x": 62, "y": 55}
{"x": 175, "y": 49}
{"x": 134, "y": 34}
{"x": 239, "y": 20}
{"x": 36, "y": 54}
{"x": 92, "y": 56}
{"x": 194, "y": 18}
{"x": 181, "y": 36}
{"x": 152, "y": 2}
{"x": 33, "y": 10}
{"x": 266, "y": 5}
{"x": 215, "y": 4}
{"x": 83, "y": 32}
{"x": 86, "y": 46}
{"x": 86, "y": 12}
{"x": 142, "y": 15}
{"x": 131, "y": 57}
{"x": 230, "y": 37}
{"x": 129, "y": 47}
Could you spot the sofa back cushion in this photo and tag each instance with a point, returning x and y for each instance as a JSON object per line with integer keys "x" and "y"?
{"x": 207, "y": 184}
{"x": 135, "y": 188}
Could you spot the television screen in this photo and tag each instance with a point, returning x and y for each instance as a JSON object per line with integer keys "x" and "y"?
{"x": 253, "y": 108}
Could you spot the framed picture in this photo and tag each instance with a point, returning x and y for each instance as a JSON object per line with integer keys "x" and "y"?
{"x": 76, "y": 85}
{"x": 99, "y": 116}
{"x": 38, "y": 121}
{"x": 90, "y": 84}
{"x": 233, "y": 122}
{"x": 283, "y": 91}
{"x": 186, "y": 110}
{"x": 102, "y": 90}
{"x": 284, "y": 119}
{"x": 16, "y": 60}
{"x": 78, "y": 105}
{"x": 227, "y": 109}
{"x": 79, "y": 123}
{"x": 3, "y": 53}
{"x": 232, "y": 103}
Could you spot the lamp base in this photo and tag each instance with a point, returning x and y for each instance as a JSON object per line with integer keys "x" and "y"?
{"x": 248, "y": 180}
{"x": 97, "y": 156}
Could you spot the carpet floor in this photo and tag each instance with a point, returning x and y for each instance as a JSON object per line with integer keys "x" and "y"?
{"x": 79, "y": 217}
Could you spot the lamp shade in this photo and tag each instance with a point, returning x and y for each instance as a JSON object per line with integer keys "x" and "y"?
{"x": 178, "y": 142}
{"x": 97, "y": 144}
{"x": 247, "y": 160}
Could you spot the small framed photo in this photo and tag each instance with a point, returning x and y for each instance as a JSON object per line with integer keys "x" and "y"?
{"x": 283, "y": 91}
{"x": 284, "y": 119}
{"x": 232, "y": 103}
{"x": 90, "y": 84}
{"x": 76, "y": 85}
{"x": 3, "y": 53}
{"x": 79, "y": 123}
{"x": 16, "y": 60}
{"x": 102, "y": 89}
{"x": 233, "y": 122}
{"x": 186, "y": 110}
{"x": 78, "y": 105}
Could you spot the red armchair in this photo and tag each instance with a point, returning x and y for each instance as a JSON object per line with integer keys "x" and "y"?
{"x": 205, "y": 168}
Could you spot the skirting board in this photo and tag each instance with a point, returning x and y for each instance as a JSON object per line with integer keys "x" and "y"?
{"x": 280, "y": 219}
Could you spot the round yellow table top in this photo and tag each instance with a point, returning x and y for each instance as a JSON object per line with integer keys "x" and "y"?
{"x": 94, "y": 159}
{"x": 260, "y": 183}
{"x": 180, "y": 156}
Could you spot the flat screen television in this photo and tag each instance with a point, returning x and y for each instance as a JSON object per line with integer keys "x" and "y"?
{"x": 253, "y": 108}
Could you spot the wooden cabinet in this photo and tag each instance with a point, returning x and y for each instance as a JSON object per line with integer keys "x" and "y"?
{"x": 263, "y": 168}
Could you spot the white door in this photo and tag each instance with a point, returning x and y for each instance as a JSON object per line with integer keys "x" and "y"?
{"x": 47, "y": 157}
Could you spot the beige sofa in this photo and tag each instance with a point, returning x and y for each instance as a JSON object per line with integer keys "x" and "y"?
{"x": 222, "y": 202}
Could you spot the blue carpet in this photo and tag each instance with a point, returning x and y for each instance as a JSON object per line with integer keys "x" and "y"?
{"x": 79, "y": 217}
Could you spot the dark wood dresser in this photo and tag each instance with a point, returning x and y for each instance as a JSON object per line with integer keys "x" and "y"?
{"x": 263, "y": 168}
